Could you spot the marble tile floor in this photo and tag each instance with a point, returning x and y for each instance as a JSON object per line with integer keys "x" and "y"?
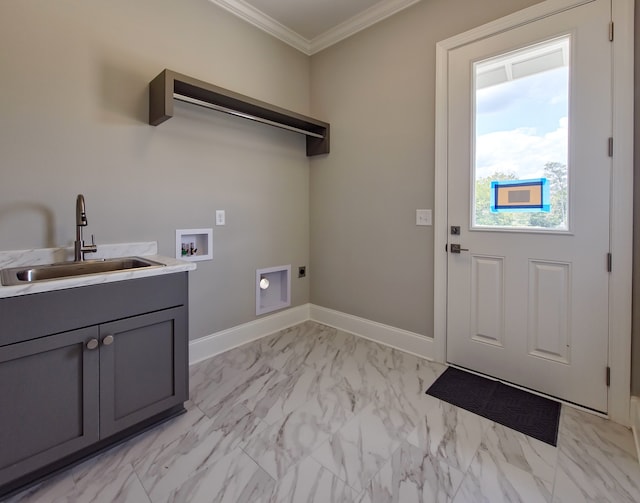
{"x": 312, "y": 414}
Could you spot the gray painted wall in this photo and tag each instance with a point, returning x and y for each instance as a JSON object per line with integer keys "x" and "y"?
{"x": 378, "y": 89}
{"x": 73, "y": 96}
{"x": 73, "y": 99}
{"x": 635, "y": 342}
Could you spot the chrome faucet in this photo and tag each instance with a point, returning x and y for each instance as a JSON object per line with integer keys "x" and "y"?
{"x": 79, "y": 247}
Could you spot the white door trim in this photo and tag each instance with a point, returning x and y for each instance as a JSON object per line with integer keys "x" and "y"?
{"x": 621, "y": 191}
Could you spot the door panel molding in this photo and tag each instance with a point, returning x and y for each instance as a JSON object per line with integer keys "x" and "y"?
{"x": 621, "y": 190}
{"x": 549, "y": 324}
{"x": 487, "y": 296}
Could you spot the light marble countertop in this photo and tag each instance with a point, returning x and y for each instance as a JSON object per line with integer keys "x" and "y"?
{"x": 42, "y": 256}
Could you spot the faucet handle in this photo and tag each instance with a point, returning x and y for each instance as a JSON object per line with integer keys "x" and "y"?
{"x": 92, "y": 248}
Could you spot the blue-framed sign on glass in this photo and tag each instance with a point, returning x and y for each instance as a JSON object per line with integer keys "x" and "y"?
{"x": 530, "y": 196}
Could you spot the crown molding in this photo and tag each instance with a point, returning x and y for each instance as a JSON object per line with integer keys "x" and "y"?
{"x": 266, "y": 23}
{"x": 259, "y": 19}
{"x": 359, "y": 22}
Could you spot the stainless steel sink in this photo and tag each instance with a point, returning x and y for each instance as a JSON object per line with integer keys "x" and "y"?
{"x": 30, "y": 274}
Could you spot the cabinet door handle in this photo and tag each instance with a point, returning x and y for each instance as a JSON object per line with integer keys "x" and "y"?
{"x": 92, "y": 344}
{"x": 108, "y": 340}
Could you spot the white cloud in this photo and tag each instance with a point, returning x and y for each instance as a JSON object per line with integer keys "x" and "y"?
{"x": 521, "y": 151}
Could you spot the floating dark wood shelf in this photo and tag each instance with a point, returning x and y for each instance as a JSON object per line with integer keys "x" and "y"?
{"x": 170, "y": 85}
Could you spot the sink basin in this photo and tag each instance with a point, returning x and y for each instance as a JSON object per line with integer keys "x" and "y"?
{"x": 30, "y": 274}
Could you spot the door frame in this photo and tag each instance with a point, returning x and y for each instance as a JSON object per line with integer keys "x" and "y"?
{"x": 621, "y": 212}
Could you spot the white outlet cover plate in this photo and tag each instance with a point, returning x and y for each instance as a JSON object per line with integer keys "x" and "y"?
{"x": 423, "y": 217}
{"x": 220, "y": 217}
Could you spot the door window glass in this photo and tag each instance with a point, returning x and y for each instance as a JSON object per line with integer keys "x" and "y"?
{"x": 521, "y": 138}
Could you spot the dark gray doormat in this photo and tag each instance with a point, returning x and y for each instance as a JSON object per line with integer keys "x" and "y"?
{"x": 519, "y": 410}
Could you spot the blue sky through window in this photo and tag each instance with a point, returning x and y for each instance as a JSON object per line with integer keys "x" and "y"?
{"x": 538, "y": 102}
{"x": 522, "y": 124}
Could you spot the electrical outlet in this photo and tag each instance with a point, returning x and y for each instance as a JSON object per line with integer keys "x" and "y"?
{"x": 423, "y": 217}
{"x": 220, "y": 217}
{"x": 302, "y": 271}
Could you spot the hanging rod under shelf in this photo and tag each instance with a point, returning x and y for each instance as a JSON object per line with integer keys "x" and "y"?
{"x": 170, "y": 86}
{"x": 211, "y": 106}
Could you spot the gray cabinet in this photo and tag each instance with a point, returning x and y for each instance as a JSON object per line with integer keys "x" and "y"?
{"x": 140, "y": 368}
{"x": 49, "y": 397}
{"x": 67, "y": 394}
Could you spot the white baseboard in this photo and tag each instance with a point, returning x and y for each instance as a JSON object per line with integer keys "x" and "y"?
{"x": 406, "y": 341}
{"x": 211, "y": 345}
{"x": 635, "y": 422}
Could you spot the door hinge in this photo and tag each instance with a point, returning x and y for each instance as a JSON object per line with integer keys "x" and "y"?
{"x": 611, "y": 146}
{"x": 611, "y": 31}
{"x": 609, "y": 262}
{"x": 608, "y": 376}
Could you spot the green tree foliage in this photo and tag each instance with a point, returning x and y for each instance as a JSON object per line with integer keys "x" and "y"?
{"x": 556, "y": 175}
{"x": 484, "y": 216}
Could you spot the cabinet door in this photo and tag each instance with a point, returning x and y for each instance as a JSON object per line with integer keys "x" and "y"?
{"x": 48, "y": 400}
{"x": 143, "y": 368}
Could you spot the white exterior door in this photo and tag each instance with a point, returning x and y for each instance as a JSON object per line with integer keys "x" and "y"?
{"x": 529, "y": 176}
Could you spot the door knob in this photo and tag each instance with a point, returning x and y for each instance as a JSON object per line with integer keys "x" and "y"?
{"x": 108, "y": 340}
{"x": 455, "y": 248}
{"x": 92, "y": 344}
